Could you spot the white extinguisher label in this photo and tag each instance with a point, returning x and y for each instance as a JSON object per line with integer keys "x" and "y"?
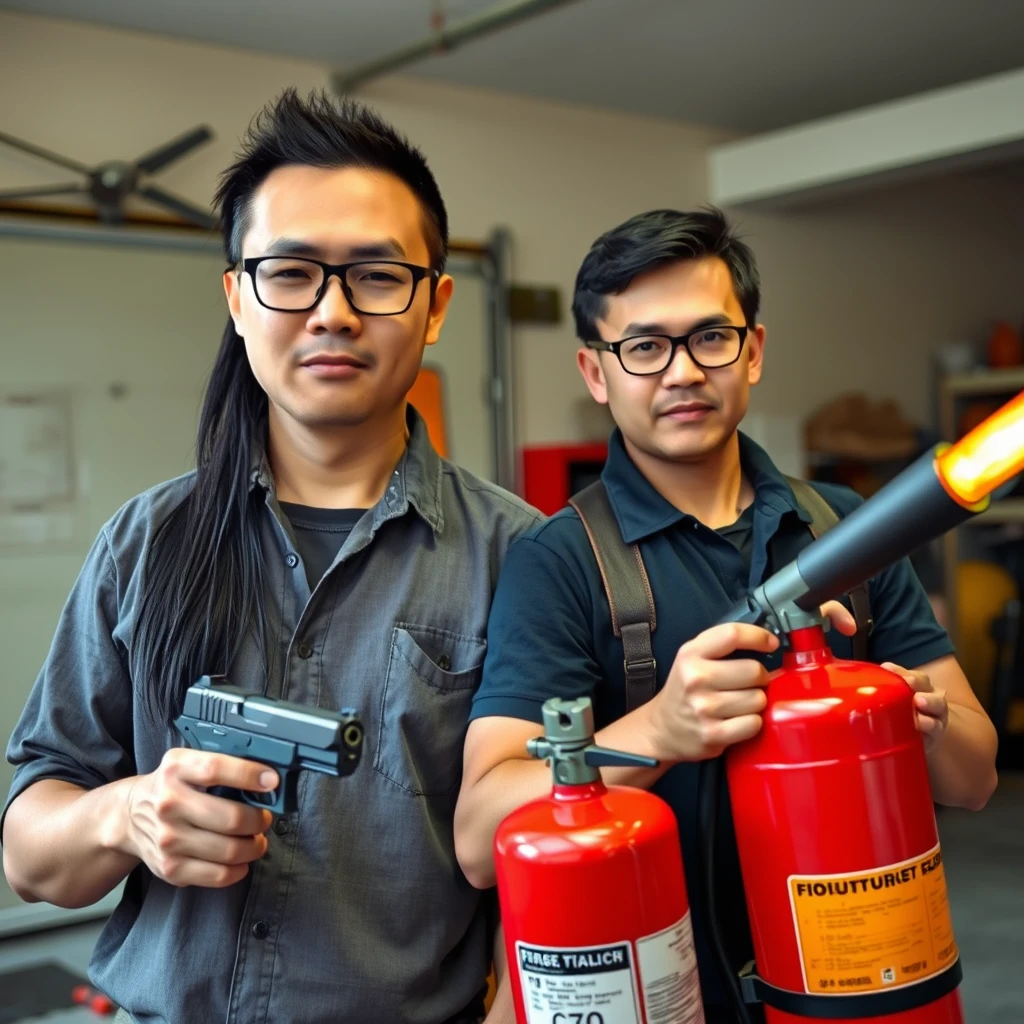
{"x": 602, "y": 984}
{"x": 668, "y": 974}
{"x": 578, "y": 985}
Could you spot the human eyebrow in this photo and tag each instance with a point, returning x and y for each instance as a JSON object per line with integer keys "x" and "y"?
{"x": 639, "y": 328}
{"x": 636, "y": 328}
{"x": 292, "y": 247}
{"x": 388, "y": 249}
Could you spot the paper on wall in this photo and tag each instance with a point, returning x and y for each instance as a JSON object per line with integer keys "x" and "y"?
{"x": 37, "y": 485}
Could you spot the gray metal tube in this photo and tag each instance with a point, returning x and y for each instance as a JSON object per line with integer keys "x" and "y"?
{"x": 501, "y": 362}
{"x": 97, "y": 234}
{"x": 204, "y": 243}
{"x": 448, "y": 38}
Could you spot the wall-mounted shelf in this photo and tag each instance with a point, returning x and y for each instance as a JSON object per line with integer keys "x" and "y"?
{"x": 984, "y": 382}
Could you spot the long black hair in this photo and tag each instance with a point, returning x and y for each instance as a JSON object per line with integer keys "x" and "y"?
{"x": 203, "y": 582}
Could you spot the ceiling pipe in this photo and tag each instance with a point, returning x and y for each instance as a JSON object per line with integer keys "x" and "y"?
{"x": 444, "y": 40}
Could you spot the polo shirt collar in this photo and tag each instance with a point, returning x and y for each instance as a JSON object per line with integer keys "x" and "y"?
{"x": 641, "y": 511}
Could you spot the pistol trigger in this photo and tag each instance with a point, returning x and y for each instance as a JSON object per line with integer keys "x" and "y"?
{"x": 269, "y": 800}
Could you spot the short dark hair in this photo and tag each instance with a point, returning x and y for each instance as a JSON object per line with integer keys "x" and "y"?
{"x": 323, "y": 131}
{"x": 651, "y": 240}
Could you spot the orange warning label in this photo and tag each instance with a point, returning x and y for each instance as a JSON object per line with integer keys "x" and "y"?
{"x": 875, "y": 929}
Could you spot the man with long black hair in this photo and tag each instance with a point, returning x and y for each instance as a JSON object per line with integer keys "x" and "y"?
{"x": 321, "y": 552}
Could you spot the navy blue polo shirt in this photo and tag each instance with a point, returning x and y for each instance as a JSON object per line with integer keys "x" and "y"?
{"x": 550, "y": 631}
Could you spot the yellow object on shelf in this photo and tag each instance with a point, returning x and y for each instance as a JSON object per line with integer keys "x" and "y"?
{"x": 983, "y": 590}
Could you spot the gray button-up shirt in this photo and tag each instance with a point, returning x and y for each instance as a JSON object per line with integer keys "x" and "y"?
{"x": 358, "y": 912}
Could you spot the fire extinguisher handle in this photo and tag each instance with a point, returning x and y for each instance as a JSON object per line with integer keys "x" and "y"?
{"x": 748, "y": 611}
{"x": 602, "y": 757}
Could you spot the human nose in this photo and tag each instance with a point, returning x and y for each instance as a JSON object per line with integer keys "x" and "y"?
{"x": 334, "y": 313}
{"x": 682, "y": 371}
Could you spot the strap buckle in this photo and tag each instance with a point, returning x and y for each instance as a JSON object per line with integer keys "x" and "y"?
{"x": 641, "y": 665}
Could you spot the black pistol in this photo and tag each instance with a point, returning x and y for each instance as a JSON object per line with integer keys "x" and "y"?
{"x": 288, "y": 737}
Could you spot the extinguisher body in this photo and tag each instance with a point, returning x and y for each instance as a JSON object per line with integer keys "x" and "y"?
{"x": 593, "y": 898}
{"x": 839, "y": 850}
{"x": 594, "y": 909}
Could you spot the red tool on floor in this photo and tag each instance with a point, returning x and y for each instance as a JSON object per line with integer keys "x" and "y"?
{"x": 86, "y": 995}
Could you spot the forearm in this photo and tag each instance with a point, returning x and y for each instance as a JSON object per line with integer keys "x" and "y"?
{"x": 483, "y": 806}
{"x": 962, "y": 766}
{"x": 502, "y": 1009}
{"x": 514, "y": 782}
{"x": 66, "y": 845}
{"x": 634, "y": 734}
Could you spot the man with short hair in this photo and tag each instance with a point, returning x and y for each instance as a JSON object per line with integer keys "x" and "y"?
{"x": 666, "y": 307}
{"x": 321, "y": 552}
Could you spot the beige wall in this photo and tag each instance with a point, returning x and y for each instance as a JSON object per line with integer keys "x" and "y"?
{"x": 104, "y": 327}
{"x": 857, "y": 293}
{"x": 554, "y": 175}
{"x": 860, "y": 293}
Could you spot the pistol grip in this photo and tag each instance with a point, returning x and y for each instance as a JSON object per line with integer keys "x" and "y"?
{"x": 283, "y": 800}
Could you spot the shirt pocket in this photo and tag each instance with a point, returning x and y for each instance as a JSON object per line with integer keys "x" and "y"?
{"x": 431, "y": 677}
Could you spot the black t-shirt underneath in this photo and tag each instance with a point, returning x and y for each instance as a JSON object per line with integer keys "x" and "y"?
{"x": 741, "y": 534}
{"x": 319, "y": 535}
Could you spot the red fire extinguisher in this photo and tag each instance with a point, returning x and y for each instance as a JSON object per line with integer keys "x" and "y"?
{"x": 593, "y": 898}
{"x": 847, "y": 898}
{"x": 831, "y": 801}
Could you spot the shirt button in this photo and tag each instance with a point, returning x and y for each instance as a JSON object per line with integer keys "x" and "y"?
{"x": 261, "y": 929}
{"x": 304, "y": 650}
{"x": 444, "y": 662}
{"x": 291, "y": 560}
{"x": 281, "y": 826}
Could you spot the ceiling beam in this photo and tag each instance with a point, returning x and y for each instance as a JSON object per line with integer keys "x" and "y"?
{"x": 964, "y": 126}
{"x": 443, "y": 40}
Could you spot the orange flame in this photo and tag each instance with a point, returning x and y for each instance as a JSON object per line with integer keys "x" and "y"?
{"x": 984, "y": 459}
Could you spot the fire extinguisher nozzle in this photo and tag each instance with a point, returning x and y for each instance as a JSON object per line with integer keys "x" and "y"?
{"x": 601, "y": 757}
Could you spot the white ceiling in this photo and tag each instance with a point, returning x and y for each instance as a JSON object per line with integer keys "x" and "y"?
{"x": 747, "y": 65}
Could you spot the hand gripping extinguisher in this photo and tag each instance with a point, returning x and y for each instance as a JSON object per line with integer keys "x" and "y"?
{"x": 831, "y": 800}
{"x": 593, "y": 897}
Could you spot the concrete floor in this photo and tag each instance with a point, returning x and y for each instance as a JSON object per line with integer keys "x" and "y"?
{"x": 984, "y": 858}
{"x": 71, "y": 947}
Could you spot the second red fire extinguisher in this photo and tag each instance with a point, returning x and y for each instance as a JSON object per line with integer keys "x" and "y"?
{"x": 848, "y": 902}
{"x": 593, "y": 897}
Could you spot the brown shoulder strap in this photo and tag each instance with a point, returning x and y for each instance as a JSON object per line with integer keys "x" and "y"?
{"x": 628, "y": 589}
{"x": 823, "y": 517}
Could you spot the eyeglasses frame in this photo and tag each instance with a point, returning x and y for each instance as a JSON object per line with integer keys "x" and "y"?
{"x": 339, "y": 270}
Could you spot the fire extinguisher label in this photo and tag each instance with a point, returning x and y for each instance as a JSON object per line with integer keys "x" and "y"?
{"x": 873, "y": 930}
{"x": 668, "y": 974}
{"x": 578, "y": 985}
{"x": 602, "y": 984}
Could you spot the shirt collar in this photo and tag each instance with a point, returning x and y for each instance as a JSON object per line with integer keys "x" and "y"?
{"x": 416, "y": 480}
{"x": 641, "y": 511}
